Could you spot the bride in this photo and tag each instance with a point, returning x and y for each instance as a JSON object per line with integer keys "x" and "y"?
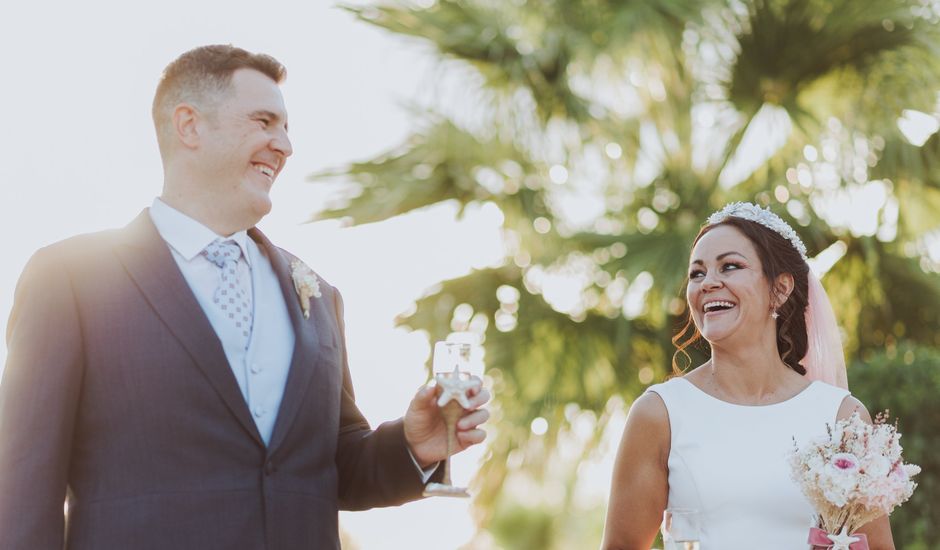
{"x": 716, "y": 439}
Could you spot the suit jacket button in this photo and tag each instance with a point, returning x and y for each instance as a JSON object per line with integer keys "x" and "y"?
{"x": 269, "y": 468}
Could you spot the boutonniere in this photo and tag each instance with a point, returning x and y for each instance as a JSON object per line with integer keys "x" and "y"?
{"x": 305, "y": 283}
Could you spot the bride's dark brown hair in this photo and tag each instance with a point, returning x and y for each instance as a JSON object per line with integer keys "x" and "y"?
{"x": 777, "y": 256}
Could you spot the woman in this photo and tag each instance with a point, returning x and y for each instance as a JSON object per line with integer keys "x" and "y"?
{"x": 716, "y": 439}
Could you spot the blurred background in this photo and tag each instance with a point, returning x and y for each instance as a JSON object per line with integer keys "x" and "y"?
{"x": 534, "y": 171}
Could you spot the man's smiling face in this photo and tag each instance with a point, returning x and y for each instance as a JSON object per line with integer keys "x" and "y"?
{"x": 244, "y": 144}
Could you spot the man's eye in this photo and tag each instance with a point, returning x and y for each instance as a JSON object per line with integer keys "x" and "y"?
{"x": 264, "y": 122}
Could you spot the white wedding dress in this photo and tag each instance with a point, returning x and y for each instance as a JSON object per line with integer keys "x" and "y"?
{"x": 729, "y": 462}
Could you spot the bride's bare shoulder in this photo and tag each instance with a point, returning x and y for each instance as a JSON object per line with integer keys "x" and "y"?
{"x": 646, "y": 433}
{"x": 649, "y": 411}
{"x": 852, "y": 405}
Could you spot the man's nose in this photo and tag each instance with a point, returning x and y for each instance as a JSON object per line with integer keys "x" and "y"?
{"x": 281, "y": 144}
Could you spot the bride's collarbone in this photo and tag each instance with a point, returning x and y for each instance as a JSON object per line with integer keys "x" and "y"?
{"x": 786, "y": 389}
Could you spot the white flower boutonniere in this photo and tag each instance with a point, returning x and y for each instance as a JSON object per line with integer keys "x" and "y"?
{"x": 305, "y": 283}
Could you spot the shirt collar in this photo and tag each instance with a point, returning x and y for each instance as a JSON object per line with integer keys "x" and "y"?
{"x": 187, "y": 236}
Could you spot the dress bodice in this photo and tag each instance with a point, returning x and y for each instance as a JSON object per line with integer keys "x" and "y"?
{"x": 730, "y": 462}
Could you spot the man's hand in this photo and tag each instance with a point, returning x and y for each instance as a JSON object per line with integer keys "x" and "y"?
{"x": 426, "y": 433}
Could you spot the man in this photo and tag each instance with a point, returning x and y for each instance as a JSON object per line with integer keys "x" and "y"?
{"x": 183, "y": 381}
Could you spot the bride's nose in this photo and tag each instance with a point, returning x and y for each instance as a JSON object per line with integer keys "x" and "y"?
{"x": 710, "y": 282}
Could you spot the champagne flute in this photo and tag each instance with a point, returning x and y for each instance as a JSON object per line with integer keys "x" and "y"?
{"x": 453, "y": 366}
{"x": 682, "y": 529}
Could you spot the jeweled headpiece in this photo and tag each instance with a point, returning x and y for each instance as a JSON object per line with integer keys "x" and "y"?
{"x": 763, "y": 216}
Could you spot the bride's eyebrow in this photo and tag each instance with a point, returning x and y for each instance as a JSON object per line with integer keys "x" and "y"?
{"x": 719, "y": 257}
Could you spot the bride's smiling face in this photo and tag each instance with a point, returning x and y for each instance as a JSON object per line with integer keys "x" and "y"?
{"x": 728, "y": 293}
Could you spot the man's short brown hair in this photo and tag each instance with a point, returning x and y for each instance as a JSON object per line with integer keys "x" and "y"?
{"x": 199, "y": 77}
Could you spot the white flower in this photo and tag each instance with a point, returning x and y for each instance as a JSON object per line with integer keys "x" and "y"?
{"x": 878, "y": 466}
{"x": 305, "y": 283}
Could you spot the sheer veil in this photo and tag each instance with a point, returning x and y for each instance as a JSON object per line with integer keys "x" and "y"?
{"x": 824, "y": 360}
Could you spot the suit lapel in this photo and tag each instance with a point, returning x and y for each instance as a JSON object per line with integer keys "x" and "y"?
{"x": 312, "y": 337}
{"x": 148, "y": 260}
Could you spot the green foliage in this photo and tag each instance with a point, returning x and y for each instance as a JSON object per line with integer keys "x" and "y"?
{"x": 864, "y": 42}
{"x": 437, "y": 164}
{"x": 905, "y": 379}
{"x": 530, "y": 45}
{"x": 520, "y": 528}
{"x": 648, "y": 111}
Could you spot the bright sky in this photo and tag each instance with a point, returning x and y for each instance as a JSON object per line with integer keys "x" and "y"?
{"x": 78, "y": 154}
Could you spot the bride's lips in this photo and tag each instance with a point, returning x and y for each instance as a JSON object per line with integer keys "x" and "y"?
{"x": 718, "y": 312}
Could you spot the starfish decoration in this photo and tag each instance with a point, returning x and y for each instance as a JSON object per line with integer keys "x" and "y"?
{"x": 842, "y": 540}
{"x": 455, "y": 389}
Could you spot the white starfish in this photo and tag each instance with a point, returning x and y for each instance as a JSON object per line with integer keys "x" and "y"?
{"x": 455, "y": 389}
{"x": 842, "y": 540}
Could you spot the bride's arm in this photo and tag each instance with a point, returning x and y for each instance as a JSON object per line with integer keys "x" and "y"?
{"x": 639, "y": 488}
{"x": 878, "y": 531}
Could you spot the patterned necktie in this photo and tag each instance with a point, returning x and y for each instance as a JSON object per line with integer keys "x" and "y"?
{"x": 232, "y": 296}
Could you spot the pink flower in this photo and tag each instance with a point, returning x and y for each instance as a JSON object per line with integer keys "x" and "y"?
{"x": 845, "y": 461}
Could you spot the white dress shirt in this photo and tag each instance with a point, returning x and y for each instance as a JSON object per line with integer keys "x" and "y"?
{"x": 261, "y": 369}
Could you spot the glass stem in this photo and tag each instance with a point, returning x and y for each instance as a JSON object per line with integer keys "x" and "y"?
{"x": 451, "y": 413}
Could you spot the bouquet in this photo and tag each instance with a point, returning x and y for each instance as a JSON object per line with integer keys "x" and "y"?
{"x": 852, "y": 475}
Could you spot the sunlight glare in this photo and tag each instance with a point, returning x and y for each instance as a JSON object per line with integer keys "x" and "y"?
{"x": 917, "y": 126}
{"x": 853, "y": 207}
{"x": 766, "y": 133}
{"x": 539, "y": 426}
{"x": 558, "y": 174}
{"x": 634, "y": 301}
{"x": 823, "y": 262}
{"x": 613, "y": 150}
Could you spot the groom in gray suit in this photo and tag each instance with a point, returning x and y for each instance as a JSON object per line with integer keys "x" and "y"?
{"x": 182, "y": 383}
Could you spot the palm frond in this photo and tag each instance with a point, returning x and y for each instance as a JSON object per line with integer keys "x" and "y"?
{"x": 440, "y": 163}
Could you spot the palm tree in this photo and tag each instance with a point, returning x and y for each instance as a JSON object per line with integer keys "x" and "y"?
{"x": 650, "y": 116}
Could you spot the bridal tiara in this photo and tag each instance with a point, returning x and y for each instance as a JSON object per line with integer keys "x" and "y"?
{"x": 763, "y": 216}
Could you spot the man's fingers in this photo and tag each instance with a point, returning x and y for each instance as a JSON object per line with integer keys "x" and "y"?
{"x": 479, "y": 399}
{"x": 473, "y": 419}
{"x": 477, "y": 387}
{"x": 426, "y": 395}
{"x": 471, "y": 437}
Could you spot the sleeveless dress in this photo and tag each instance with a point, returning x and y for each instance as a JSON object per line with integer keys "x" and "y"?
{"x": 729, "y": 462}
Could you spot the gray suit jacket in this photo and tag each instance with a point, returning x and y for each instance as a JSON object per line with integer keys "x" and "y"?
{"x": 117, "y": 394}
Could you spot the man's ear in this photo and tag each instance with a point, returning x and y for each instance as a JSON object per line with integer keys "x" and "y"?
{"x": 186, "y": 125}
{"x": 783, "y": 286}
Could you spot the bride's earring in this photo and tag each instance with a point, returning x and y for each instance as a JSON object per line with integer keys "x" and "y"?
{"x": 774, "y": 314}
